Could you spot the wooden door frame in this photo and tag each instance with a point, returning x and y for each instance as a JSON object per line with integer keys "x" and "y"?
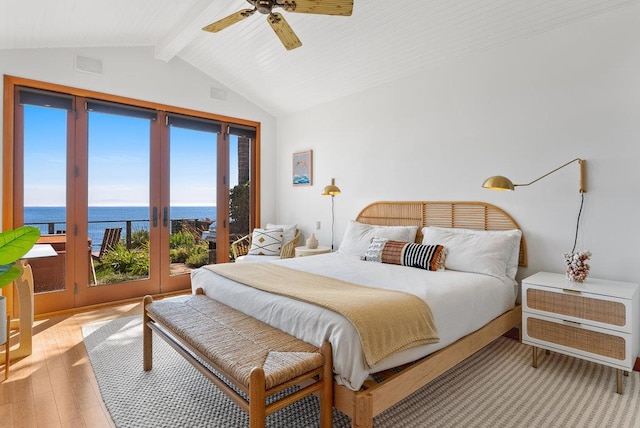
{"x": 10, "y": 171}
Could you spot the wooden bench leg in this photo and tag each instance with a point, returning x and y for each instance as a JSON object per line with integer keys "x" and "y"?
{"x": 257, "y": 397}
{"x": 326, "y": 394}
{"x": 147, "y": 336}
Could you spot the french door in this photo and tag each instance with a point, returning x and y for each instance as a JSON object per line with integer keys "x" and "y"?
{"x": 132, "y": 197}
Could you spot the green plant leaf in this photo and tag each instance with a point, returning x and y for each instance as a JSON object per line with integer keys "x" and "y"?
{"x": 16, "y": 243}
{"x": 13, "y": 245}
{"x": 9, "y": 275}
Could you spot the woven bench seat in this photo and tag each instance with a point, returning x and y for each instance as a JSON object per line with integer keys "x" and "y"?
{"x": 259, "y": 360}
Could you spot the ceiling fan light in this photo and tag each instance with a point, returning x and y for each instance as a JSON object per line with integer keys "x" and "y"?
{"x": 278, "y": 23}
{"x": 264, "y": 6}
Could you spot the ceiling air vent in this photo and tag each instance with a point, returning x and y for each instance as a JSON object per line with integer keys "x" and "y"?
{"x": 88, "y": 65}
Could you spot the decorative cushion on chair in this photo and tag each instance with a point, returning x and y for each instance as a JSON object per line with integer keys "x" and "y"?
{"x": 266, "y": 242}
{"x": 288, "y": 229}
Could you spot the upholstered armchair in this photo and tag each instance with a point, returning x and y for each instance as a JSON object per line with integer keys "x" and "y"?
{"x": 243, "y": 250}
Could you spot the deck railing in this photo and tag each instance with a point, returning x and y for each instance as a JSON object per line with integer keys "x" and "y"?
{"x": 96, "y": 228}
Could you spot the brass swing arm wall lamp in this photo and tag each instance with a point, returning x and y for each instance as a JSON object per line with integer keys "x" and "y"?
{"x": 331, "y": 190}
{"x": 498, "y": 182}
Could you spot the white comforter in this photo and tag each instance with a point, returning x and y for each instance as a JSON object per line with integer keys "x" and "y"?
{"x": 461, "y": 303}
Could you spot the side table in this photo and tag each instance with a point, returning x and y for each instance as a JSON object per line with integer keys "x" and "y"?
{"x": 24, "y": 287}
{"x": 596, "y": 320}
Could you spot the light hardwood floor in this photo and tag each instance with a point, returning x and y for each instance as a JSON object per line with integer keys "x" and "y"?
{"x": 55, "y": 386}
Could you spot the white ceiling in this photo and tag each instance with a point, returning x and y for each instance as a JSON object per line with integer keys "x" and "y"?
{"x": 382, "y": 41}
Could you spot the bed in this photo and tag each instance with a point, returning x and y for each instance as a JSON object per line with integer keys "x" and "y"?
{"x": 471, "y": 307}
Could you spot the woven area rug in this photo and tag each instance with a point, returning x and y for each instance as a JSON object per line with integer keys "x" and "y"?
{"x": 497, "y": 387}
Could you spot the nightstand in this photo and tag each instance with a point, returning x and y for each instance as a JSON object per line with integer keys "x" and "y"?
{"x": 304, "y": 251}
{"x": 596, "y": 320}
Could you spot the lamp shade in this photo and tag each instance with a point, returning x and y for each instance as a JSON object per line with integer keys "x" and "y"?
{"x": 331, "y": 189}
{"x": 498, "y": 182}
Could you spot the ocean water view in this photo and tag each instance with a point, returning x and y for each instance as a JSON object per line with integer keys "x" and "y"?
{"x": 103, "y": 217}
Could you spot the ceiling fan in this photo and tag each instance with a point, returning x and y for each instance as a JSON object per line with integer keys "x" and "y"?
{"x": 277, "y": 21}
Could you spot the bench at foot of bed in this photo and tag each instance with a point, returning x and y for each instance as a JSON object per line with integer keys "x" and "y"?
{"x": 257, "y": 359}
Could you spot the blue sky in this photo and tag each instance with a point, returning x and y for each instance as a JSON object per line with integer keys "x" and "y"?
{"x": 118, "y": 161}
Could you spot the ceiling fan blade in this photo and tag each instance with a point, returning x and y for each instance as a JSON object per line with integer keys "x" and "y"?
{"x": 284, "y": 31}
{"x": 319, "y": 7}
{"x": 229, "y": 20}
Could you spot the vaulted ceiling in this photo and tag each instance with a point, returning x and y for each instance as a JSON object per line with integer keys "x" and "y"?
{"x": 382, "y": 41}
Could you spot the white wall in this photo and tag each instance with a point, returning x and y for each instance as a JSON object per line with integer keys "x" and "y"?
{"x": 519, "y": 111}
{"x": 133, "y": 73}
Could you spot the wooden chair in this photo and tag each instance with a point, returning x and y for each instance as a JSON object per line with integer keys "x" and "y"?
{"x": 110, "y": 239}
{"x": 241, "y": 246}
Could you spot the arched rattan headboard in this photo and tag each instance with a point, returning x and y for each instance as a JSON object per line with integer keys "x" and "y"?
{"x": 464, "y": 215}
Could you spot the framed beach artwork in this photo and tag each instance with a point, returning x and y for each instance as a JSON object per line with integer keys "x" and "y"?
{"x": 303, "y": 168}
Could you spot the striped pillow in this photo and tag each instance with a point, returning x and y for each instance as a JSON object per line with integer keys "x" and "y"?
{"x": 266, "y": 242}
{"x": 429, "y": 257}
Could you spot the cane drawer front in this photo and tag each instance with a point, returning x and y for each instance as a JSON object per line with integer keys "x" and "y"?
{"x": 588, "y": 342}
{"x": 608, "y": 312}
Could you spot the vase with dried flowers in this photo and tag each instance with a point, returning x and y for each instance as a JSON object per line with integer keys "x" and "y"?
{"x": 577, "y": 266}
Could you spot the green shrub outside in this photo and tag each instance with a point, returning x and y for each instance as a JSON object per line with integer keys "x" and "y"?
{"x": 121, "y": 264}
{"x": 199, "y": 256}
{"x": 121, "y": 260}
{"x": 139, "y": 238}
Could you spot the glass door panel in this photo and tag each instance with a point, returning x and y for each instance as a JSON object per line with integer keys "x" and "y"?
{"x": 192, "y": 194}
{"x": 118, "y": 198}
{"x": 240, "y": 186}
{"x": 44, "y": 191}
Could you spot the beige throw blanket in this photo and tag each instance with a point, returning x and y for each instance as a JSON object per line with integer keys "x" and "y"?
{"x": 387, "y": 321}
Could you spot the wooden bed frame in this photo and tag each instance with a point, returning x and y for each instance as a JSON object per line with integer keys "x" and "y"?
{"x": 375, "y": 397}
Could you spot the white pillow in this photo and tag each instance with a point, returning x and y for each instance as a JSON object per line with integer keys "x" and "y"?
{"x": 489, "y": 252}
{"x": 358, "y": 235}
{"x": 289, "y": 230}
{"x": 266, "y": 242}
